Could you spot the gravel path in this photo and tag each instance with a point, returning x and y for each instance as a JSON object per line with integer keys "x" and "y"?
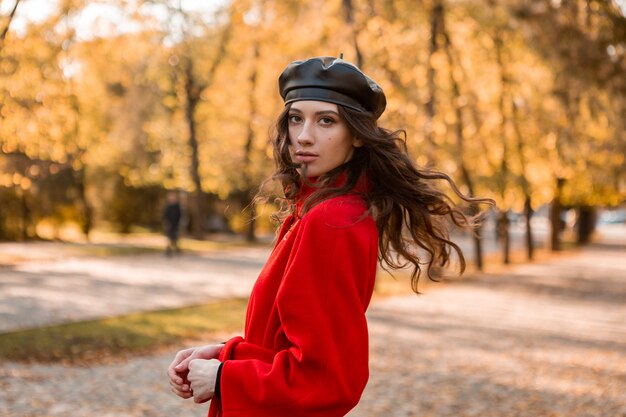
{"x": 546, "y": 339}
{"x": 56, "y": 290}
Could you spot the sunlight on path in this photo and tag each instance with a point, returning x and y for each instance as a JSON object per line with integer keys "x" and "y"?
{"x": 546, "y": 339}
{"x": 51, "y": 292}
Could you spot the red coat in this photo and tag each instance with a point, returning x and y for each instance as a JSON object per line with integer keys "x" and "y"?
{"x": 305, "y": 350}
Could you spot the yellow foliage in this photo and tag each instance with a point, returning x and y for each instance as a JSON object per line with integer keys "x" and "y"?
{"x": 120, "y": 102}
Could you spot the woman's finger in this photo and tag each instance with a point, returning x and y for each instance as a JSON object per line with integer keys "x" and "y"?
{"x": 173, "y": 375}
{"x": 185, "y": 395}
{"x": 172, "y": 369}
{"x": 180, "y": 387}
{"x": 184, "y": 364}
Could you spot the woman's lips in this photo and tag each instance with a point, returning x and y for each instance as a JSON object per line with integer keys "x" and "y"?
{"x": 306, "y": 158}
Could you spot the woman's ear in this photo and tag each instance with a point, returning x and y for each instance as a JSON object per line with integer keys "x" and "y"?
{"x": 357, "y": 142}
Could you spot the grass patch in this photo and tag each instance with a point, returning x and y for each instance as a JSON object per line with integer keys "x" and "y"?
{"x": 106, "y": 250}
{"x": 194, "y": 245}
{"x": 100, "y": 340}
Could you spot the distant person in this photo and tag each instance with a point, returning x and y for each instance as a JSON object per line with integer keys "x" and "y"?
{"x": 352, "y": 196}
{"x": 172, "y": 214}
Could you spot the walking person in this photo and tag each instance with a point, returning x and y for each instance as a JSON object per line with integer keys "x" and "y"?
{"x": 352, "y": 197}
{"x": 172, "y": 214}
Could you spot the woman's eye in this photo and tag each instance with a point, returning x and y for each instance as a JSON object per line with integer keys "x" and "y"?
{"x": 326, "y": 120}
{"x": 295, "y": 119}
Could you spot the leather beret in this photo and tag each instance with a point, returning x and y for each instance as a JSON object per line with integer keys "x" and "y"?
{"x": 332, "y": 80}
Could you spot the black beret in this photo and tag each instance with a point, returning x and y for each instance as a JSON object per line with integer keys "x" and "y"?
{"x": 333, "y": 80}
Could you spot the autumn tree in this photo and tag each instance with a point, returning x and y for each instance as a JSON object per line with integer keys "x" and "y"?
{"x": 522, "y": 101}
{"x": 39, "y": 131}
{"x": 584, "y": 43}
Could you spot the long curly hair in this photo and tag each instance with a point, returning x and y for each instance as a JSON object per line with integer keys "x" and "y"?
{"x": 412, "y": 216}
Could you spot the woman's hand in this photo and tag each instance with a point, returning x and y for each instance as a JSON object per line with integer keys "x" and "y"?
{"x": 179, "y": 368}
{"x": 203, "y": 376}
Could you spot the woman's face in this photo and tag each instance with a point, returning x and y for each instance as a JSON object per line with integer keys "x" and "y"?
{"x": 318, "y": 137}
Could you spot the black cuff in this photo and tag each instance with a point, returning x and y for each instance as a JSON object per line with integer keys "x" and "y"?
{"x": 218, "y": 390}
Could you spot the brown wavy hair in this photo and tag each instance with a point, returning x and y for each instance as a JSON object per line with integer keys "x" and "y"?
{"x": 412, "y": 216}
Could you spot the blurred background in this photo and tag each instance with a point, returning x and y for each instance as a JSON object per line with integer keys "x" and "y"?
{"x": 109, "y": 109}
{"x": 107, "y": 105}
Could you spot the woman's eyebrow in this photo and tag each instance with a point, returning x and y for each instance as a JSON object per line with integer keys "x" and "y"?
{"x": 317, "y": 113}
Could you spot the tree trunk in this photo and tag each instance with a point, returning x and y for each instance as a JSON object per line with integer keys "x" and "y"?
{"x": 556, "y": 223}
{"x": 87, "y": 212}
{"x": 247, "y": 192}
{"x": 504, "y": 168}
{"x": 460, "y": 139}
{"x": 196, "y": 206}
{"x": 503, "y": 233}
{"x": 585, "y": 225}
{"x": 193, "y": 91}
{"x": 435, "y": 23}
{"x": 478, "y": 247}
{"x": 528, "y": 214}
{"x": 524, "y": 184}
{"x": 349, "y": 19}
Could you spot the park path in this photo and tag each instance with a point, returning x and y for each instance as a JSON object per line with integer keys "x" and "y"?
{"x": 47, "y": 283}
{"x": 54, "y": 288}
{"x": 544, "y": 339}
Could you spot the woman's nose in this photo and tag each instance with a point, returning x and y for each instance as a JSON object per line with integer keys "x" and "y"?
{"x": 305, "y": 137}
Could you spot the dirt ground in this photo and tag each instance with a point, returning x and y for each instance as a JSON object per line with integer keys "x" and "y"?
{"x": 545, "y": 339}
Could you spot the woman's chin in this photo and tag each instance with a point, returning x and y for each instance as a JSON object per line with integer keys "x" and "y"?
{"x": 306, "y": 171}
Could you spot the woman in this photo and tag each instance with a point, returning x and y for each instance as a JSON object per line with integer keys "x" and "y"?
{"x": 353, "y": 197}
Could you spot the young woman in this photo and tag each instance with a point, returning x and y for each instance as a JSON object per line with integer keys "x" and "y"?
{"x": 353, "y": 197}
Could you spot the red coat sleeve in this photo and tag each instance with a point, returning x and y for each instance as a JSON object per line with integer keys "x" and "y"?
{"x": 321, "y": 302}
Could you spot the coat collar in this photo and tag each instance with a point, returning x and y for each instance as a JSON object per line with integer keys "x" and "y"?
{"x": 363, "y": 186}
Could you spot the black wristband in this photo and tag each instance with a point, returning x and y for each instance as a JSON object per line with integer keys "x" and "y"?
{"x": 218, "y": 390}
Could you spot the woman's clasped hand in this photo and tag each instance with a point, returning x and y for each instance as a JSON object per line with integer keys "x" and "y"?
{"x": 193, "y": 372}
